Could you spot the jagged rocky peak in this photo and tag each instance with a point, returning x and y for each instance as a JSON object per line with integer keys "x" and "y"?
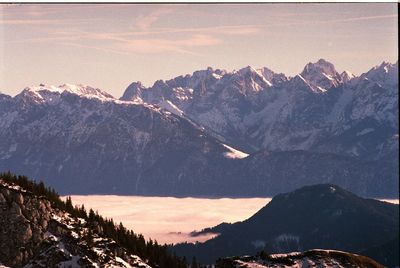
{"x": 216, "y": 73}
{"x": 386, "y": 74}
{"x": 247, "y": 70}
{"x": 321, "y": 65}
{"x": 133, "y": 91}
{"x": 346, "y": 76}
{"x": 250, "y": 72}
{"x": 160, "y": 84}
{"x": 272, "y": 77}
{"x": 322, "y": 75}
{"x": 249, "y": 80}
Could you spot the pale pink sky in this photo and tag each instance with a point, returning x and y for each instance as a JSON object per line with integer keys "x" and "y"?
{"x": 109, "y": 46}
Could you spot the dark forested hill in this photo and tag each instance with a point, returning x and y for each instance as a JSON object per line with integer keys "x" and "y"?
{"x": 321, "y": 216}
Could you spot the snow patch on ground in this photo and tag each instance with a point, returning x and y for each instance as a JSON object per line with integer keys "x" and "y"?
{"x": 169, "y": 106}
{"x": 233, "y": 153}
{"x": 393, "y": 201}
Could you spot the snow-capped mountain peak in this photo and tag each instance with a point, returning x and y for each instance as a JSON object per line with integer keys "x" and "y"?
{"x": 324, "y": 66}
{"x": 322, "y": 75}
{"x": 252, "y": 79}
{"x": 385, "y": 75}
{"x": 50, "y": 93}
{"x": 246, "y": 70}
{"x": 346, "y": 76}
{"x": 133, "y": 91}
{"x": 272, "y": 77}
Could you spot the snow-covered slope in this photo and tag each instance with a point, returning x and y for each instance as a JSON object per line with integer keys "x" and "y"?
{"x": 51, "y": 94}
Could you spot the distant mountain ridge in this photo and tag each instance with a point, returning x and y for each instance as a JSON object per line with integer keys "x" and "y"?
{"x": 319, "y": 216}
{"x": 212, "y": 133}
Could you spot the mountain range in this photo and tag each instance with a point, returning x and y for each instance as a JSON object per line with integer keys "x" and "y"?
{"x": 212, "y": 133}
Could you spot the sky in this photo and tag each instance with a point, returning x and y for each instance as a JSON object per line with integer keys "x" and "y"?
{"x": 108, "y": 46}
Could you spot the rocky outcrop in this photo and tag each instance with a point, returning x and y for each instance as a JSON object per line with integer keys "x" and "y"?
{"x": 23, "y": 223}
{"x": 35, "y": 234}
{"x": 311, "y": 258}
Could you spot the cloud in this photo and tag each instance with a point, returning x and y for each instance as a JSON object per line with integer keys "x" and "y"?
{"x": 42, "y": 22}
{"x": 341, "y": 20}
{"x": 364, "y": 18}
{"x": 114, "y": 43}
{"x": 151, "y": 46}
{"x": 144, "y": 22}
{"x": 103, "y": 49}
{"x": 223, "y": 30}
{"x": 125, "y": 46}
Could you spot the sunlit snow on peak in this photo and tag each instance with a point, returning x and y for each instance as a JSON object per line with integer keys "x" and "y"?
{"x": 42, "y": 91}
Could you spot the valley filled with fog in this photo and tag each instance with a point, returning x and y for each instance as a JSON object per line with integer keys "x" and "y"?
{"x": 171, "y": 219}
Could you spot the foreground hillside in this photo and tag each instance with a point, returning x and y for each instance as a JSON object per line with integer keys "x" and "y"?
{"x": 207, "y": 133}
{"x": 311, "y": 258}
{"x": 320, "y": 216}
{"x": 37, "y": 229}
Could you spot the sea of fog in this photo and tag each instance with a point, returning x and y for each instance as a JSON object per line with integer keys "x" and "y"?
{"x": 170, "y": 219}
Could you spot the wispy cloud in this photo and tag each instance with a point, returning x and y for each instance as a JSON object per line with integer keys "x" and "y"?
{"x": 111, "y": 43}
{"x": 224, "y": 30}
{"x": 137, "y": 42}
{"x": 364, "y": 18}
{"x": 341, "y": 20}
{"x": 94, "y": 47}
{"x": 45, "y": 22}
{"x": 148, "y": 46}
{"x": 144, "y": 22}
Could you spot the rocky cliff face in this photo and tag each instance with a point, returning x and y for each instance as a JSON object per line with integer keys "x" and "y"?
{"x": 24, "y": 221}
{"x": 35, "y": 234}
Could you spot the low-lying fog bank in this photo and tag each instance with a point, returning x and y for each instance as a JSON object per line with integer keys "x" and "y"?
{"x": 170, "y": 219}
